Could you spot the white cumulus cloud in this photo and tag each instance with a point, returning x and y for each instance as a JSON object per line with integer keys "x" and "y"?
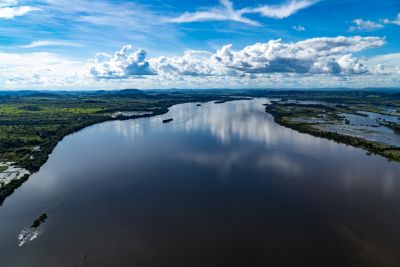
{"x": 192, "y": 63}
{"x": 385, "y": 64}
{"x": 316, "y": 55}
{"x": 123, "y": 64}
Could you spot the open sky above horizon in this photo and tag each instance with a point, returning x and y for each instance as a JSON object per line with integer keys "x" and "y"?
{"x": 112, "y": 44}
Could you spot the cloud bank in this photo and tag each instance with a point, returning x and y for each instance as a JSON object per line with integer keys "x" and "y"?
{"x": 316, "y": 62}
{"x": 312, "y": 56}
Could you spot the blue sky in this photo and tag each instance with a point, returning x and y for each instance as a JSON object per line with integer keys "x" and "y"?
{"x": 110, "y": 44}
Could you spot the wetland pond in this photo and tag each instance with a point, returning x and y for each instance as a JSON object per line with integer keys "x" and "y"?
{"x": 220, "y": 185}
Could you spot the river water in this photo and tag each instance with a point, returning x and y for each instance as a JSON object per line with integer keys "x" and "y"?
{"x": 220, "y": 185}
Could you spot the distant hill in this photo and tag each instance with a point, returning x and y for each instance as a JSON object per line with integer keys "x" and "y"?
{"x": 47, "y": 93}
{"x": 161, "y": 92}
{"x": 123, "y": 92}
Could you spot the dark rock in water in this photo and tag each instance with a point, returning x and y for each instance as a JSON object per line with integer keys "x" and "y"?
{"x": 39, "y": 221}
{"x": 219, "y": 102}
{"x": 198, "y": 105}
{"x": 167, "y": 120}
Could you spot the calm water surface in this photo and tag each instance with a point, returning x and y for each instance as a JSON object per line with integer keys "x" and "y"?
{"x": 221, "y": 185}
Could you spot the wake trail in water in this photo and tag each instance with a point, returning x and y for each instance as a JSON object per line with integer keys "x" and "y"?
{"x": 29, "y": 234}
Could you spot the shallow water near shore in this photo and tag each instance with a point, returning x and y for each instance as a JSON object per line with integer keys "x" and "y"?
{"x": 220, "y": 185}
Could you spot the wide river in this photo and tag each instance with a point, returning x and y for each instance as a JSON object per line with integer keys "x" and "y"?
{"x": 220, "y": 185}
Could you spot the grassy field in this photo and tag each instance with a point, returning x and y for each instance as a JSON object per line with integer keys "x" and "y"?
{"x": 3, "y": 168}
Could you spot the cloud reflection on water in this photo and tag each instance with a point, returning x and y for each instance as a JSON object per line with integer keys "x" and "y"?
{"x": 286, "y": 152}
{"x": 245, "y": 120}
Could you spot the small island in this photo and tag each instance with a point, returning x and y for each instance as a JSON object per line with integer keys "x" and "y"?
{"x": 39, "y": 221}
{"x": 167, "y": 120}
